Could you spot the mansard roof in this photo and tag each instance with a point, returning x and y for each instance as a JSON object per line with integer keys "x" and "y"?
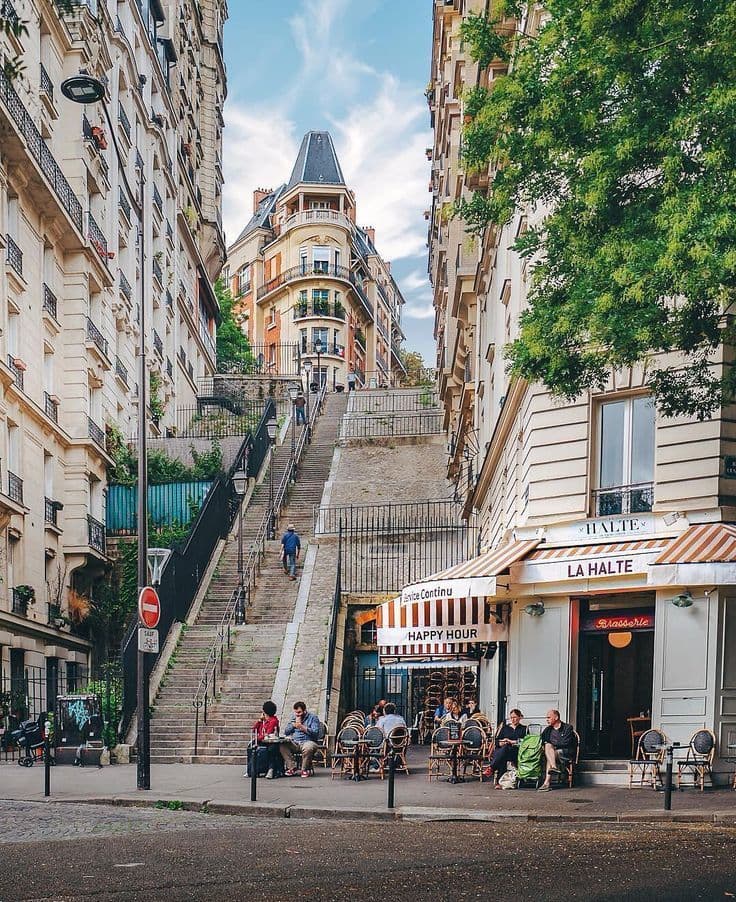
{"x": 261, "y": 219}
{"x": 316, "y": 162}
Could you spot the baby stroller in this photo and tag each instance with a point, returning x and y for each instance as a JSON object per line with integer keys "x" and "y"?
{"x": 29, "y": 738}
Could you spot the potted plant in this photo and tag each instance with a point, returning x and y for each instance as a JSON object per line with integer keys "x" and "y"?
{"x": 20, "y": 364}
{"x": 27, "y": 594}
{"x": 98, "y": 136}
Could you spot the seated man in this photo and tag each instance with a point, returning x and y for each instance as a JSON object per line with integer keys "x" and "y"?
{"x": 303, "y": 732}
{"x": 390, "y": 719}
{"x": 441, "y": 711}
{"x": 559, "y": 742}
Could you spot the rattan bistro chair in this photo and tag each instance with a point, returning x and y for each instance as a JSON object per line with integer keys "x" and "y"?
{"x": 474, "y": 750}
{"x": 375, "y": 750}
{"x": 698, "y": 762}
{"x": 397, "y": 744}
{"x": 342, "y": 759}
{"x": 440, "y": 750}
{"x": 648, "y": 761}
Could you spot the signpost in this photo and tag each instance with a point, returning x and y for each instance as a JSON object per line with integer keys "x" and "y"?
{"x": 149, "y": 614}
{"x": 149, "y": 607}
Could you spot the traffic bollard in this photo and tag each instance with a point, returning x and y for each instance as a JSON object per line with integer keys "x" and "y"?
{"x": 46, "y": 766}
{"x": 668, "y": 775}
{"x": 253, "y": 773}
{"x": 391, "y": 776}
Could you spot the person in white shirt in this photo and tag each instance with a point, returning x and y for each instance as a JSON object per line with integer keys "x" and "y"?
{"x": 390, "y": 719}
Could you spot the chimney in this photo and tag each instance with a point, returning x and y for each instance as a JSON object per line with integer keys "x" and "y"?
{"x": 371, "y": 233}
{"x": 258, "y": 196}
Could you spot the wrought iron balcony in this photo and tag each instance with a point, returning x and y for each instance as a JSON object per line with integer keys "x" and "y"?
{"x": 124, "y": 203}
{"x": 51, "y": 511}
{"x": 19, "y": 603}
{"x": 40, "y": 151}
{"x": 361, "y": 295}
{"x": 51, "y": 407}
{"x": 169, "y": 368}
{"x": 138, "y": 160}
{"x": 96, "y": 238}
{"x": 16, "y": 370}
{"x": 95, "y": 433}
{"x": 49, "y": 301}
{"x": 124, "y": 121}
{"x": 47, "y": 86}
{"x": 315, "y": 308}
{"x": 158, "y": 345}
{"x": 14, "y": 255}
{"x": 7, "y": 12}
{"x": 169, "y": 232}
{"x": 120, "y": 371}
{"x": 303, "y": 271}
{"x": 169, "y": 300}
{"x": 96, "y": 534}
{"x": 381, "y": 361}
{"x": 208, "y": 341}
{"x": 381, "y": 328}
{"x": 624, "y": 499}
{"x": 15, "y": 488}
{"x": 360, "y": 339}
{"x": 190, "y": 370}
{"x": 157, "y": 201}
{"x": 96, "y": 337}
{"x": 125, "y": 288}
{"x": 157, "y": 273}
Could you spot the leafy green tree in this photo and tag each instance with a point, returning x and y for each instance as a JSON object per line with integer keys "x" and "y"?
{"x": 619, "y": 120}
{"x": 416, "y": 373}
{"x": 233, "y": 348}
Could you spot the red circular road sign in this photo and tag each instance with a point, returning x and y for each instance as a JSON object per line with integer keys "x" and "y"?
{"x": 149, "y": 607}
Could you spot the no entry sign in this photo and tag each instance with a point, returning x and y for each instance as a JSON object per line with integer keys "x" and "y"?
{"x": 149, "y": 607}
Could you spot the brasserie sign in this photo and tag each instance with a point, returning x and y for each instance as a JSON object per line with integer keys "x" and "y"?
{"x": 615, "y": 621}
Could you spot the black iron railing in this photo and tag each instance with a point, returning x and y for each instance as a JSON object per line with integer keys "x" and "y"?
{"x": 16, "y": 370}
{"x": 15, "y": 488}
{"x": 624, "y": 499}
{"x": 157, "y": 272}
{"x": 360, "y": 339}
{"x": 14, "y": 255}
{"x": 304, "y": 271}
{"x": 169, "y": 232}
{"x": 125, "y": 288}
{"x": 207, "y": 340}
{"x": 96, "y": 433}
{"x": 377, "y": 519}
{"x": 124, "y": 203}
{"x": 302, "y": 310}
{"x": 51, "y": 407}
{"x": 218, "y": 418}
{"x": 49, "y": 301}
{"x": 169, "y": 300}
{"x": 169, "y": 368}
{"x": 97, "y": 238}
{"x": 138, "y": 160}
{"x": 40, "y": 151}
{"x": 359, "y": 291}
{"x": 157, "y": 201}
{"x": 124, "y": 121}
{"x": 382, "y": 362}
{"x": 391, "y": 424}
{"x": 7, "y": 12}
{"x": 332, "y": 630}
{"x": 19, "y": 603}
{"x": 47, "y": 86}
{"x": 96, "y": 337}
{"x": 158, "y": 344}
{"x": 121, "y": 371}
{"x": 379, "y": 402}
{"x": 96, "y": 534}
{"x": 382, "y": 330}
{"x": 51, "y": 511}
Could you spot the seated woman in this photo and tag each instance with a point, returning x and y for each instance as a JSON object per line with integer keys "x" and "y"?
{"x": 507, "y": 744}
{"x": 453, "y": 712}
{"x": 266, "y": 725}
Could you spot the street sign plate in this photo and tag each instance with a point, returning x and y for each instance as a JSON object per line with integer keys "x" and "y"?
{"x": 149, "y": 607}
{"x": 148, "y": 640}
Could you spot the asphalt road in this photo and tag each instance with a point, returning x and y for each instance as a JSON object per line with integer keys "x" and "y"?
{"x": 69, "y": 851}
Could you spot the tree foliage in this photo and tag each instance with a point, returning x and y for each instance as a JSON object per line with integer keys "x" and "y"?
{"x": 233, "y": 348}
{"x": 619, "y": 121}
{"x": 416, "y": 373}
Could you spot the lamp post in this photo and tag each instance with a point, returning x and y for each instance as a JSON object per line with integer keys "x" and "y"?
{"x": 318, "y": 352}
{"x": 308, "y": 374}
{"x": 85, "y": 89}
{"x": 293, "y": 392}
{"x": 240, "y": 484}
{"x": 272, "y": 428}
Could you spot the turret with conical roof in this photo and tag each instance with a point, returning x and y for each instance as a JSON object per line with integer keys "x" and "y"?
{"x": 316, "y": 162}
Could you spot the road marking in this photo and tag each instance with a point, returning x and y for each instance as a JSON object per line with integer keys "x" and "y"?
{"x": 133, "y": 864}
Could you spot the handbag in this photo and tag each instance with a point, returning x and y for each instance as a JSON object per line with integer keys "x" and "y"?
{"x": 508, "y": 780}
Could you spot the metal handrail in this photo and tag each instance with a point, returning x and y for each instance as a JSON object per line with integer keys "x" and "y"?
{"x": 240, "y": 598}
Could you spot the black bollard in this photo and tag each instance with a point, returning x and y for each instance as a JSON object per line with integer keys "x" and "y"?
{"x": 253, "y": 773}
{"x": 391, "y": 777}
{"x": 46, "y": 767}
{"x": 668, "y": 776}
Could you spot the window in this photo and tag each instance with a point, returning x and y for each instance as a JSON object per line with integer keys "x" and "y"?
{"x": 626, "y": 457}
{"x": 321, "y": 301}
{"x": 244, "y": 279}
{"x": 368, "y": 633}
{"x": 321, "y": 336}
{"x": 303, "y": 339}
{"x": 321, "y": 259}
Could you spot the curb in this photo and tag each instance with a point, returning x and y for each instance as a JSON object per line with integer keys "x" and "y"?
{"x": 406, "y": 814}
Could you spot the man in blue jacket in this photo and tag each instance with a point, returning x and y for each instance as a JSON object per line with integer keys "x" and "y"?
{"x": 291, "y": 548}
{"x": 303, "y": 731}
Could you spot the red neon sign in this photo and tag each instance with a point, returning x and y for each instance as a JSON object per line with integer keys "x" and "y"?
{"x": 615, "y": 622}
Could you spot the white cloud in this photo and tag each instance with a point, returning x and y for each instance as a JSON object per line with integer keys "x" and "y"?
{"x": 415, "y": 280}
{"x": 413, "y": 310}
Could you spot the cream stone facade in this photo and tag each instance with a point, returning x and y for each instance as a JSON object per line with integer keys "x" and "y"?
{"x": 73, "y": 279}
{"x": 604, "y": 623}
{"x": 302, "y": 271}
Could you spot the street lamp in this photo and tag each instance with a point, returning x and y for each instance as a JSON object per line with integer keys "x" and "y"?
{"x": 308, "y": 372}
{"x": 85, "y": 89}
{"x": 240, "y": 484}
{"x": 318, "y": 352}
{"x": 293, "y": 392}
{"x": 272, "y": 428}
{"x": 157, "y": 558}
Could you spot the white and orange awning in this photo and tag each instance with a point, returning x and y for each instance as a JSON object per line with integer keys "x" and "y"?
{"x": 703, "y": 554}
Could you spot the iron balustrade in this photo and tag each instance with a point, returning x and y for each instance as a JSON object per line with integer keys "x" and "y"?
{"x": 15, "y": 488}
{"x": 218, "y": 418}
{"x": 208, "y": 341}
{"x": 51, "y": 407}
{"x": 49, "y": 301}
{"x": 169, "y": 368}
{"x": 381, "y": 361}
{"x": 361, "y": 295}
{"x": 332, "y": 629}
{"x": 169, "y": 232}
{"x": 95, "y": 433}
{"x": 169, "y": 300}
{"x": 157, "y": 201}
{"x": 315, "y": 308}
{"x": 376, "y": 519}
{"x": 125, "y": 289}
{"x": 47, "y": 86}
{"x": 96, "y": 534}
{"x": 96, "y": 238}
{"x": 96, "y": 337}
{"x": 121, "y": 371}
{"x": 50, "y": 511}
{"x": 190, "y": 370}
{"x": 124, "y": 121}
{"x": 158, "y": 344}
{"x": 381, "y": 328}
{"x": 237, "y": 605}
{"x": 32, "y": 691}
{"x": 19, "y": 604}
{"x": 360, "y": 373}
{"x": 14, "y": 255}
{"x": 392, "y": 424}
{"x": 360, "y": 339}
{"x": 138, "y": 160}
{"x": 124, "y": 203}
{"x": 8, "y": 12}
{"x": 378, "y": 402}
{"x": 16, "y": 370}
{"x": 40, "y": 151}
{"x": 304, "y": 271}
{"x": 624, "y": 499}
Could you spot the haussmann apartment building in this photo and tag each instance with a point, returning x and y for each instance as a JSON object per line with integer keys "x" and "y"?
{"x": 610, "y": 531}
{"x": 72, "y": 281}
{"x": 306, "y": 277}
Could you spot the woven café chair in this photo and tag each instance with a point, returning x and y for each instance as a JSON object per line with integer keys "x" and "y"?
{"x": 375, "y": 750}
{"x": 439, "y": 753}
{"x": 698, "y": 762}
{"x": 397, "y": 744}
{"x": 647, "y": 763}
{"x": 342, "y": 759}
{"x": 321, "y": 756}
{"x": 474, "y": 750}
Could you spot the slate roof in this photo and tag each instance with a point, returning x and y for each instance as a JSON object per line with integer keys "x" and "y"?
{"x": 316, "y": 162}
{"x": 261, "y": 219}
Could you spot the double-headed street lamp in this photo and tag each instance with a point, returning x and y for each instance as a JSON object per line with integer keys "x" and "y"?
{"x": 272, "y": 427}
{"x": 240, "y": 484}
{"x": 85, "y": 89}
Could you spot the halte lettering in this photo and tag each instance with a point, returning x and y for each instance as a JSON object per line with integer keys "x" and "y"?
{"x": 610, "y": 567}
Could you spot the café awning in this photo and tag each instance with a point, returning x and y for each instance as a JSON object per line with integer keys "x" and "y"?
{"x": 473, "y": 578}
{"x": 704, "y": 554}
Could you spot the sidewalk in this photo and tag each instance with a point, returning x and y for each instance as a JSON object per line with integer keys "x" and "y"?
{"x": 222, "y": 788}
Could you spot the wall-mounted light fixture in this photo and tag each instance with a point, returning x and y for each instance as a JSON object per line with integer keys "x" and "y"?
{"x": 535, "y": 609}
{"x": 683, "y": 600}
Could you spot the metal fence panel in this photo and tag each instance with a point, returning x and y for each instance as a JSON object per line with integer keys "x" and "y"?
{"x": 391, "y": 424}
{"x": 369, "y": 402}
{"x": 168, "y": 505}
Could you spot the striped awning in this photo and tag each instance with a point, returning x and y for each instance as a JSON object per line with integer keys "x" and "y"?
{"x": 476, "y": 577}
{"x": 436, "y": 629}
{"x": 703, "y": 544}
{"x": 635, "y": 546}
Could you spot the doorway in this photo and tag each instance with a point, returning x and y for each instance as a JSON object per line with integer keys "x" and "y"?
{"x": 616, "y": 670}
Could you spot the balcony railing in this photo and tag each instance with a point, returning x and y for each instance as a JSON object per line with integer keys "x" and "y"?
{"x": 7, "y": 12}
{"x": 169, "y": 300}
{"x": 95, "y": 433}
{"x": 49, "y": 301}
{"x": 309, "y": 217}
{"x": 138, "y": 160}
{"x": 120, "y": 371}
{"x": 39, "y": 151}
{"x": 158, "y": 345}
{"x": 314, "y": 308}
{"x": 19, "y": 603}
{"x": 157, "y": 273}
{"x": 360, "y": 339}
{"x": 157, "y": 201}
{"x": 381, "y": 361}
{"x": 51, "y": 511}
{"x": 96, "y": 534}
{"x": 47, "y": 86}
{"x": 360, "y": 292}
{"x": 124, "y": 203}
{"x": 125, "y": 288}
{"x": 304, "y": 271}
{"x": 14, "y": 255}
{"x": 16, "y": 371}
{"x": 381, "y": 328}
{"x": 96, "y": 337}
{"x": 124, "y": 121}
{"x": 169, "y": 232}
{"x": 97, "y": 238}
{"x": 15, "y": 488}
{"x": 51, "y": 407}
{"x": 624, "y": 499}
{"x": 169, "y": 368}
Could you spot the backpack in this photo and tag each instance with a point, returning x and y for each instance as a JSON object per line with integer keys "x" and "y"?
{"x": 529, "y": 765}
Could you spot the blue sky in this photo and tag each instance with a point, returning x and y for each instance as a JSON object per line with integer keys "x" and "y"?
{"x": 357, "y": 68}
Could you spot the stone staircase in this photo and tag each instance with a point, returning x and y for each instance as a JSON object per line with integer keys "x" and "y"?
{"x": 251, "y": 665}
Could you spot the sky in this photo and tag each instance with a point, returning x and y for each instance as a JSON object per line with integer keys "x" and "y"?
{"x": 358, "y": 69}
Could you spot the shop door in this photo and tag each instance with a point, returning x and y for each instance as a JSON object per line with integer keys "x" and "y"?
{"x": 614, "y": 683}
